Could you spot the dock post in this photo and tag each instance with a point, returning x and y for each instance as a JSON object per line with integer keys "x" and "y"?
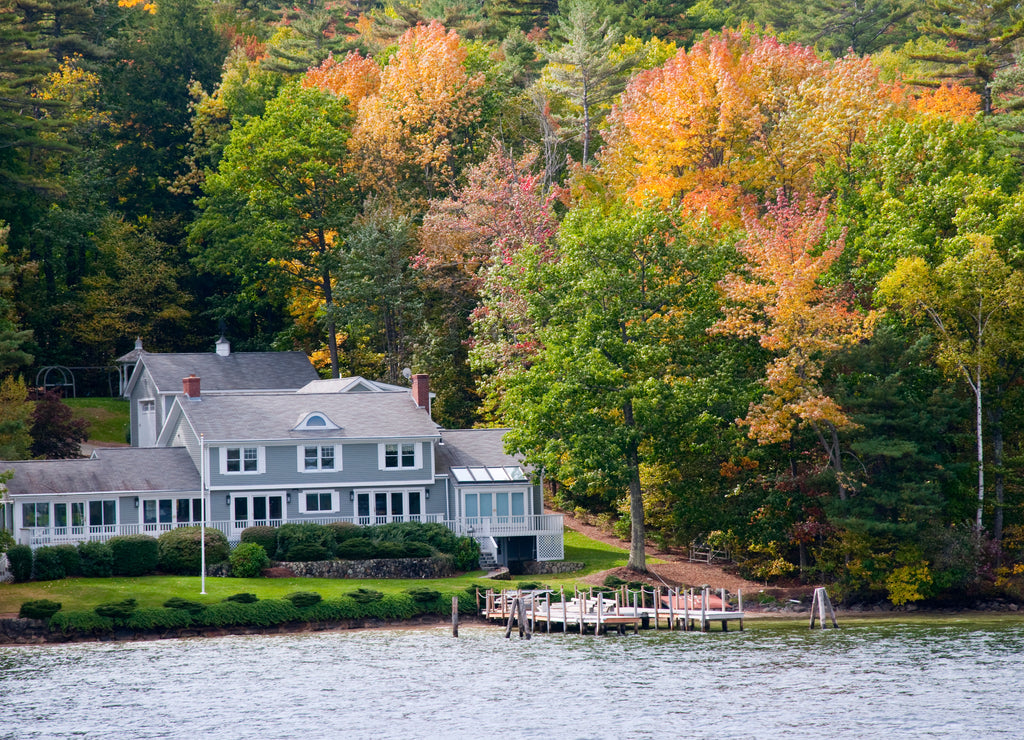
{"x": 600, "y": 608}
{"x": 547, "y": 616}
{"x": 511, "y": 618}
{"x": 739, "y": 608}
{"x": 455, "y": 614}
{"x": 823, "y": 603}
{"x": 565, "y": 619}
{"x": 636, "y": 614}
{"x": 686, "y": 610}
{"x": 703, "y": 609}
{"x": 477, "y": 599}
{"x": 725, "y": 622}
{"x": 657, "y": 598}
{"x": 672, "y": 609}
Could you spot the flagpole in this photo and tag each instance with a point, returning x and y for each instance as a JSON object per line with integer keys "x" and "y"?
{"x": 202, "y": 527}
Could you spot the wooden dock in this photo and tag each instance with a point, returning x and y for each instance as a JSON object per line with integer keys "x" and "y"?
{"x": 587, "y": 611}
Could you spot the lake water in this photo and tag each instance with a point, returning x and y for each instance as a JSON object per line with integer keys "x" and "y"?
{"x": 948, "y": 679}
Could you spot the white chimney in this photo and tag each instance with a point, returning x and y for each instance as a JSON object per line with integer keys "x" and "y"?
{"x": 223, "y": 346}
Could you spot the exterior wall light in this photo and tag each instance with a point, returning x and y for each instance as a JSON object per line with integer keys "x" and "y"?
{"x": 136, "y": 502}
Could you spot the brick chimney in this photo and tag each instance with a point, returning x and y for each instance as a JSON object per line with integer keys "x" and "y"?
{"x": 421, "y": 390}
{"x": 191, "y": 386}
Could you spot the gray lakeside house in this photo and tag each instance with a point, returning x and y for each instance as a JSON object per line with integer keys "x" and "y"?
{"x": 265, "y": 441}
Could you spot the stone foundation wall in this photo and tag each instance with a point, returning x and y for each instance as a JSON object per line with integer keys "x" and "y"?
{"x": 548, "y": 567}
{"x": 420, "y": 568}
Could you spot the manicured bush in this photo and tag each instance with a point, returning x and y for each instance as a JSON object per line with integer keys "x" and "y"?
{"x": 419, "y": 550}
{"x": 48, "y": 565}
{"x": 117, "y": 609}
{"x": 176, "y": 602}
{"x": 307, "y": 533}
{"x": 467, "y": 554}
{"x": 262, "y": 535}
{"x": 365, "y": 595}
{"x": 70, "y": 558}
{"x": 243, "y": 598}
{"x": 155, "y": 618}
{"x": 81, "y": 623}
{"x": 358, "y": 548}
{"x": 389, "y": 550}
{"x": 307, "y": 552}
{"x": 423, "y": 595}
{"x": 345, "y": 531}
{"x": 302, "y": 599}
{"x": 248, "y": 559}
{"x": 19, "y": 558}
{"x": 39, "y": 609}
{"x": 97, "y": 559}
{"x": 180, "y": 549}
{"x": 134, "y": 554}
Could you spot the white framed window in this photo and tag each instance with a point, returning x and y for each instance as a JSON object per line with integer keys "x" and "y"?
{"x": 171, "y": 511}
{"x": 318, "y": 502}
{"x": 242, "y": 460}
{"x": 102, "y": 513}
{"x": 500, "y": 504}
{"x": 400, "y": 456}
{"x": 316, "y": 420}
{"x": 35, "y": 515}
{"x": 381, "y": 507}
{"x": 317, "y": 457}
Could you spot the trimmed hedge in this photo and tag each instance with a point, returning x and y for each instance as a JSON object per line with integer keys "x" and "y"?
{"x": 303, "y": 599}
{"x": 117, "y": 609}
{"x": 263, "y": 613}
{"x": 39, "y": 609}
{"x": 291, "y": 538}
{"x": 97, "y": 559}
{"x": 180, "y": 549}
{"x": 70, "y": 558}
{"x": 248, "y": 559}
{"x": 48, "y": 565}
{"x": 343, "y": 531}
{"x": 176, "y": 602}
{"x": 243, "y": 598}
{"x": 134, "y": 554}
{"x": 264, "y": 536}
{"x": 19, "y": 558}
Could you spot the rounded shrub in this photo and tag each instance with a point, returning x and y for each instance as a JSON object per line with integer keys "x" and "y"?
{"x": 467, "y": 553}
{"x": 248, "y": 560}
{"x": 365, "y": 595}
{"x": 180, "y": 550}
{"x": 261, "y": 535}
{"x": 70, "y": 558}
{"x": 134, "y": 554}
{"x": 306, "y": 533}
{"x": 192, "y": 607}
{"x": 243, "y": 598}
{"x": 97, "y": 559}
{"x": 302, "y": 599}
{"x": 117, "y": 609}
{"x": 419, "y": 550}
{"x": 345, "y": 531}
{"x": 19, "y": 557}
{"x": 39, "y": 609}
{"x": 306, "y": 552}
{"x": 423, "y": 595}
{"x": 358, "y": 548}
{"x": 48, "y": 565}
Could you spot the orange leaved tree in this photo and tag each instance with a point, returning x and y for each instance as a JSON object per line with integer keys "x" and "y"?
{"x": 779, "y": 300}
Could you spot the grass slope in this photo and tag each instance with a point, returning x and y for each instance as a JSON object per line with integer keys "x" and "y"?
{"x": 107, "y": 417}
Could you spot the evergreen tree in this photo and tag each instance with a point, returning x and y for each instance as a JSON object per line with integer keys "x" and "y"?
{"x": 314, "y": 32}
{"x": 840, "y": 26}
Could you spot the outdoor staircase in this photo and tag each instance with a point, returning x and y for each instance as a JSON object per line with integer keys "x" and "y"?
{"x": 487, "y": 561}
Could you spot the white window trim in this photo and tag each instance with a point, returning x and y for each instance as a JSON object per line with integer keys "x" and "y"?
{"x": 261, "y": 460}
{"x": 305, "y": 425}
{"x": 463, "y": 491}
{"x": 301, "y": 458}
{"x": 417, "y": 456}
{"x": 249, "y": 506}
{"x": 335, "y": 501}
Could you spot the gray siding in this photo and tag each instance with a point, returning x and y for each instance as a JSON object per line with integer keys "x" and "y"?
{"x": 126, "y": 511}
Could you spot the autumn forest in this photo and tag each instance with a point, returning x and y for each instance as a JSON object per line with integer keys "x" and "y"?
{"x": 748, "y": 273}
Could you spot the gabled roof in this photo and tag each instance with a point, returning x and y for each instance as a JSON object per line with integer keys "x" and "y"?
{"x": 269, "y": 417}
{"x": 113, "y": 470}
{"x": 353, "y": 384}
{"x": 238, "y": 371}
{"x": 478, "y": 455}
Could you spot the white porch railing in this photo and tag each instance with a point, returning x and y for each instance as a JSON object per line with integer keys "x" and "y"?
{"x": 545, "y": 525}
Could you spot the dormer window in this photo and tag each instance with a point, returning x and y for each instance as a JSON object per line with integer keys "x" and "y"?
{"x": 316, "y": 421}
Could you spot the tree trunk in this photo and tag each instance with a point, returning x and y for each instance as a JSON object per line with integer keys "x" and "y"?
{"x": 638, "y": 534}
{"x": 981, "y": 449}
{"x": 995, "y": 422}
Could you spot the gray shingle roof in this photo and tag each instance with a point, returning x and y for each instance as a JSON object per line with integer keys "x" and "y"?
{"x": 353, "y": 384}
{"x": 125, "y": 469}
{"x": 239, "y": 371}
{"x": 274, "y": 416}
{"x": 469, "y": 448}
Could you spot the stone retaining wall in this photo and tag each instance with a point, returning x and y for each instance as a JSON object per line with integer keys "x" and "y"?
{"x": 418, "y": 568}
{"x": 548, "y": 567}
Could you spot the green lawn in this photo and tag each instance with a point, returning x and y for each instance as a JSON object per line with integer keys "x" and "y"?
{"x": 85, "y": 593}
{"x": 107, "y": 417}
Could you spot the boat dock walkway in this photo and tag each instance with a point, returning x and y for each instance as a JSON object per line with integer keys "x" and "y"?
{"x": 646, "y": 608}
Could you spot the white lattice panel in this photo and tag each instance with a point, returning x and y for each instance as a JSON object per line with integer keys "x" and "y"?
{"x": 550, "y": 547}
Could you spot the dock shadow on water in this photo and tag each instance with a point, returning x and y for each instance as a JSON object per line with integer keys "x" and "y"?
{"x": 936, "y": 679}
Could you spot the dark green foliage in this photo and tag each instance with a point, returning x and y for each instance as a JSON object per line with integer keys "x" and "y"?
{"x": 390, "y": 550}
{"x": 180, "y": 549}
{"x": 134, "y": 554}
{"x": 345, "y": 531}
{"x": 264, "y": 536}
{"x": 176, "y": 602}
{"x": 81, "y": 623}
{"x": 418, "y": 550}
{"x": 19, "y": 558}
{"x": 307, "y": 552}
{"x": 291, "y": 535}
{"x": 243, "y": 598}
{"x": 422, "y": 594}
{"x": 70, "y": 559}
{"x": 365, "y": 595}
{"x": 248, "y": 560}
{"x": 48, "y": 566}
{"x": 302, "y": 599}
{"x": 613, "y": 581}
{"x": 467, "y": 554}
{"x": 358, "y": 548}
{"x": 97, "y": 559}
{"x": 39, "y": 609}
{"x": 117, "y": 609}
{"x": 156, "y": 618}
